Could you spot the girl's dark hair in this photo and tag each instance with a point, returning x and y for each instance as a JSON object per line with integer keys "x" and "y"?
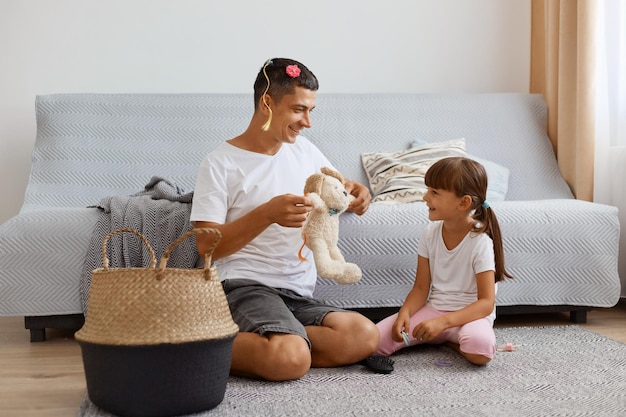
{"x": 280, "y": 82}
{"x": 464, "y": 176}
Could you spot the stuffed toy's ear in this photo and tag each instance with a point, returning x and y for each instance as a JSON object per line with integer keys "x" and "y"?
{"x": 334, "y": 174}
{"x": 314, "y": 184}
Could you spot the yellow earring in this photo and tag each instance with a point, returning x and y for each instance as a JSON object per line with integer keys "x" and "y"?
{"x": 266, "y": 126}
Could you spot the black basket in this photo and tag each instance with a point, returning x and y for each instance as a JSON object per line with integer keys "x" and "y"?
{"x": 157, "y": 380}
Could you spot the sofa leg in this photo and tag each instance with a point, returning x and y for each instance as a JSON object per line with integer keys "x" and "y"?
{"x": 578, "y": 316}
{"x": 38, "y": 324}
{"x": 37, "y": 335}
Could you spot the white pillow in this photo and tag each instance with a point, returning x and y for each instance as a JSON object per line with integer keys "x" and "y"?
{"x": 398, "y": 177}
{"x": 497, "y": 175}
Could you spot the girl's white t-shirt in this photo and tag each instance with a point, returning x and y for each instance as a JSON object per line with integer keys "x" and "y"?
{"x": 231, "y": 182}
{"x": 453, "y": 272}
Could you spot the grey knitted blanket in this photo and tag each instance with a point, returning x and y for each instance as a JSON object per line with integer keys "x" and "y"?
{"x": 160, "y": 212}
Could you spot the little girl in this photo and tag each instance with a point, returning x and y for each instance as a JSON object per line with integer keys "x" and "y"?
{"x": 459, "y": 260}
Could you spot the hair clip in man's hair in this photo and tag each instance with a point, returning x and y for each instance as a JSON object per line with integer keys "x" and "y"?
{"x": 292, "y": 70}
{"x": 266, "y": 126}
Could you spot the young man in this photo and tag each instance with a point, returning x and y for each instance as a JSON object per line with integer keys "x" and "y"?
{"x": 250, "y": 189}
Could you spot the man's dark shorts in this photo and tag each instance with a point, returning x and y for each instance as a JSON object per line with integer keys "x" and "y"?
{"x": 257, "y": 308}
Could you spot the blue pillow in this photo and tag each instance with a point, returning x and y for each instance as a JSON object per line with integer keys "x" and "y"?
{"x": 498, "y": 175}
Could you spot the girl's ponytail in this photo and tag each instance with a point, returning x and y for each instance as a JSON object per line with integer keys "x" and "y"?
{"x": 487, "y": 222}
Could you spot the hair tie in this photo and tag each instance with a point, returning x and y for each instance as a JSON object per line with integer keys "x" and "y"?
{"x": 486, "y": 204}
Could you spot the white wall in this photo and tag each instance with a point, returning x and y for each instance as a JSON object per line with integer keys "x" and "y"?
{"x": 62, "y": 46}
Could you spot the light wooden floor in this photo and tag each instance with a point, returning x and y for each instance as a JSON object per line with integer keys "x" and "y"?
{"x": 47, "y": 380}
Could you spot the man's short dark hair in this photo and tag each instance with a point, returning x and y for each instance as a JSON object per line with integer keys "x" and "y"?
{"x": 280, "y": 82}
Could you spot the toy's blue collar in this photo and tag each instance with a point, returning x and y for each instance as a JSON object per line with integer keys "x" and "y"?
{"x": 333, "y": 211}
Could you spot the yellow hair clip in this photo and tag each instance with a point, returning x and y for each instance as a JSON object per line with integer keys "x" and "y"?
{"x": 266, "y": 126}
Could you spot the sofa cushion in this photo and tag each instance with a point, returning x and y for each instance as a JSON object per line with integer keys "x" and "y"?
{"x": 398, "y": 177}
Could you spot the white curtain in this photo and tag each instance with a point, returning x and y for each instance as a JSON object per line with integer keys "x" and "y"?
{"x": 610, "y": 152}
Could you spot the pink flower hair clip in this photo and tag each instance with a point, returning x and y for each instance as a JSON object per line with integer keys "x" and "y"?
{"x": 293, "y": 71}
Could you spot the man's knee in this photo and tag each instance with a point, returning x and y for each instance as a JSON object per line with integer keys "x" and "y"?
{"x": 369, "y": 335}
{"x": 288, "y": 357}
{"x": 358, "y": 332}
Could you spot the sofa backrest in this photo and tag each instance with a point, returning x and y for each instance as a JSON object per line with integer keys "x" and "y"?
{"x": 91, "y": 146}
{"x": 509, "y": 129}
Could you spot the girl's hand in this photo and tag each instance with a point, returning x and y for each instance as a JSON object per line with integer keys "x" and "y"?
{"x": 403, "y": 323}
{"x": 429, "y": 329}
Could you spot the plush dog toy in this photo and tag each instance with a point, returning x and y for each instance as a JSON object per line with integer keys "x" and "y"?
{"x": 321, "y": 230}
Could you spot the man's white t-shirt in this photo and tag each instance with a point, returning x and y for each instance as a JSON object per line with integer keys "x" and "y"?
{"x": 453, "y": 272}
{"x": 231, "y": 182}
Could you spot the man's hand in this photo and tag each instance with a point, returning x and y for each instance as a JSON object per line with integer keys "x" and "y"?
{"x": 362, "y": 197}
{"x": 289, "y": 210}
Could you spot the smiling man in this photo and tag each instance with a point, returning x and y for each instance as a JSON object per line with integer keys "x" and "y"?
{"x": 250, "y": 189}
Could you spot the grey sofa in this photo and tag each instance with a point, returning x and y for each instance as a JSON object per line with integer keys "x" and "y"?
{"x": 562, "y": 251}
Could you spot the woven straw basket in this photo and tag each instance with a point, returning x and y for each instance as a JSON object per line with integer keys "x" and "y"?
{"x": 157, "y": 341}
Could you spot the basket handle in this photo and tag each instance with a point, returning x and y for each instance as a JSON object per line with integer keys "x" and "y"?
{"x": 105, "y": 259}
{"x": 207, "y": 256}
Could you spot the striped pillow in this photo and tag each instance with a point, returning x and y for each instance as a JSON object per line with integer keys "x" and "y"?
{"x": 398, "y": 177}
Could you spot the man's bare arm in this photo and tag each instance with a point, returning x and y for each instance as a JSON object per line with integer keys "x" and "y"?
{"x": 287, "y": 210}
